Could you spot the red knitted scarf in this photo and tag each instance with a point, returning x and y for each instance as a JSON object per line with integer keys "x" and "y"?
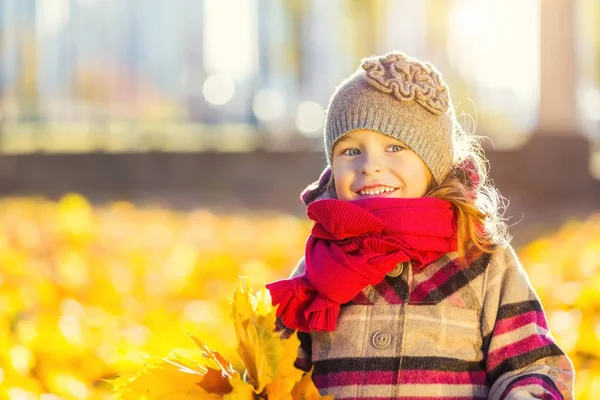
{"x": 354, "y": 244}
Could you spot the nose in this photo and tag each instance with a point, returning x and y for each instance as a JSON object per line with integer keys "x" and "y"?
{"x": 370, "y": 165}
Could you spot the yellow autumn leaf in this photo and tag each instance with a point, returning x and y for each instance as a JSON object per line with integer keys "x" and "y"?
{"x": 213, "y": 379}
{"x": 241, "y": 391}
{"x": 305, "y": 389}
{"x": 280, "y": 389}
{"x": 268, "y": 357}
{"x": 220, "y": 371}
{"x": 183, "y": 373}
{"x": 263, "y": 305}
{"x": 259, "y": 346}
{"x": 121, "y": 382}
{"x": 161, "y": 379}
{"x": 289, "y": 354}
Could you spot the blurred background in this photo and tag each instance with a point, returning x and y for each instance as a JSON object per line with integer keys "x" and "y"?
{"x": 221, "y": 103}
{"x": 145, "y": 145}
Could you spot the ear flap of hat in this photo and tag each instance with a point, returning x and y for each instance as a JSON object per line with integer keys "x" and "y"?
{"x": 322, "y": 188}
{"x": 469, "y": 173}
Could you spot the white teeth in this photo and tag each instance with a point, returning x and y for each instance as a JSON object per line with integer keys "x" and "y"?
{"x": 369, "y": 192}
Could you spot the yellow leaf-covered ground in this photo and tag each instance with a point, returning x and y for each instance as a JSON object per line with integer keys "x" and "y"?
{"x": 86, "y": 292}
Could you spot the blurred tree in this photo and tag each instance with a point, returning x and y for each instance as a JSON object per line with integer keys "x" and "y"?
{"x": 367, "y": 31}
{"x": 438, "y": 26}
{"x": 26, "y": 87}
{"x": 294, "y": 10}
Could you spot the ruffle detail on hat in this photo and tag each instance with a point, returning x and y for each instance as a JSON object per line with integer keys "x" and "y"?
{"x": 408, "y": 79}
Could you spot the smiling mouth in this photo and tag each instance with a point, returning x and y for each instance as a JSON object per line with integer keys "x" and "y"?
{"x": 376, "y": 191}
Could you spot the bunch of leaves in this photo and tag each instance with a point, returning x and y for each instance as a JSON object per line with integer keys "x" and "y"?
{"x": 205, "y": 374}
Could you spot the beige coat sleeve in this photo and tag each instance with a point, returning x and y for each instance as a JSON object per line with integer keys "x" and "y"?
{"x": 523, "y": 360}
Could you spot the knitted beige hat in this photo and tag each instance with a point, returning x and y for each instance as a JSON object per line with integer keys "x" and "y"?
{"x": 401, "y": 97}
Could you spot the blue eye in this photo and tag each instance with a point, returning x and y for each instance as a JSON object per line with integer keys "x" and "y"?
{"x": 395, "y": 148}
{"x": 351, "y": 152}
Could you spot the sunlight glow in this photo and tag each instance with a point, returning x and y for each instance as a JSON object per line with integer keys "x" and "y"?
{"x": 218, "y": 89}
{"x": 504, "y": 64}
{"x": 230, "y": 41}
{"x": 52, "y": 16}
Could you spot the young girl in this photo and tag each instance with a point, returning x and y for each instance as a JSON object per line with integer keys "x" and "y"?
{"x": 408, "y": 288}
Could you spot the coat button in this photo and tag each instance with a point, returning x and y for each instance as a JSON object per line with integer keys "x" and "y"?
{"x": 396, "y": 271}
{"x": 381, "y": 339}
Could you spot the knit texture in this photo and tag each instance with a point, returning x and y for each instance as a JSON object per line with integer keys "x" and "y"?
{"x": 355, "y": 244}
{"x": 441, "y": 332}
{"x": 401, "y": 97}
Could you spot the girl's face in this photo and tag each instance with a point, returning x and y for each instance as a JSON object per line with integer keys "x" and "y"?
{"x": 369, "y": 164}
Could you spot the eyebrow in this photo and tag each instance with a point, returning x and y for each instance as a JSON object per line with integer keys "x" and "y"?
{"x": 343, "y": 139}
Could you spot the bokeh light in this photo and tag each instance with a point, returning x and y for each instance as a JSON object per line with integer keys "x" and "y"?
{"x": 310, "y": 117}
{"x": 268, "y": 104}
{"x": 218, "y": 89}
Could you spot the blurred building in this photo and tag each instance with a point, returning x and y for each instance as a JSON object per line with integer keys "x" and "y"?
{"x": 163, "y": 72}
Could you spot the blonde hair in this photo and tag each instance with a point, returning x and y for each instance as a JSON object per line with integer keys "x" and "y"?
{"x": 478, "y": 204}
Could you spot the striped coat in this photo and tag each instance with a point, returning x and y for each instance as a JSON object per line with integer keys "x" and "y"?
{"x": 441, "y": 332}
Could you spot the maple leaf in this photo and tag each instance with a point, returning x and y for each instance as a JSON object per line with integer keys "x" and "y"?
{"x": 184, "y": 374}
{"x": 215, "y": 360}
{"x": 258, "y": 346}
{"x": 162, "y": 379}
{"x": 268, "y": 357}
